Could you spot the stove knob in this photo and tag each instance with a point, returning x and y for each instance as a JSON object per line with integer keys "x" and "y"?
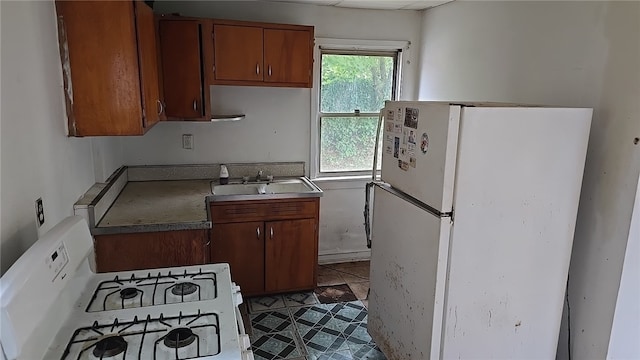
{"x": 235, "y": 287}
{"x": 237, "y": 299}
{"x": 245, "y": 341}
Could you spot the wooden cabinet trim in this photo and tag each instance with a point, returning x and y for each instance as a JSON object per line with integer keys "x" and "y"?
{"x": 262, "y": 25}
{"x": 226, "y": 212}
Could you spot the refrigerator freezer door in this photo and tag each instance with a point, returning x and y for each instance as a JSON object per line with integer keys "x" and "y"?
{"x": 517, "y": 189}
{"x": 407, "y": 280}
{"x": 419, "y": 150}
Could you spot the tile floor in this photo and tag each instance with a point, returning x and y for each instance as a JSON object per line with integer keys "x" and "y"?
{"x": 328, "y": 323}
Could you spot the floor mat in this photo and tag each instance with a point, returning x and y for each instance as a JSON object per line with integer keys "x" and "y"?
{"x": 334, "y": 293}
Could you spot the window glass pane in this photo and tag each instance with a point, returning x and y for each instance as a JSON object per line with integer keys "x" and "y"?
{"x": 347, "y": 143}
{"x": 352, "y": 82}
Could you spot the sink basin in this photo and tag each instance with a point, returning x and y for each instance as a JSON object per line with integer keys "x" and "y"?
{"x": 235, "y": 189}
{"x": 281, "y": 188}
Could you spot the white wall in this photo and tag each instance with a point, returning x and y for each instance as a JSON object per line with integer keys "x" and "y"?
{"x": 277, "y": 125}
{"x": 625, "y": 331}
{"x": 558, "y": 53}
{"x": 37, "y": 159}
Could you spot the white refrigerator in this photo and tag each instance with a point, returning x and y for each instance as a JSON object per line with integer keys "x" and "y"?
{"x": 472, "y": 228}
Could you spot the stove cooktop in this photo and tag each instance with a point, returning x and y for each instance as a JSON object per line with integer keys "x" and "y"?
{"x": 174, "y": 313}
{"x": 185, "y": 336}
{"x": 154, "y": 289}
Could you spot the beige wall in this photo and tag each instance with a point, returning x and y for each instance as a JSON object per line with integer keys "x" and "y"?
{"x": 584, "y": 54}
{"x": 37, "y": 159}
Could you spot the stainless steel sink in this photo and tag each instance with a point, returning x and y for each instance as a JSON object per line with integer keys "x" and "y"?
{"x": 276, "y": 189}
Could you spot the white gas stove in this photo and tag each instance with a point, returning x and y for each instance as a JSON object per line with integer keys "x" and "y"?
{"x": 53, "y": 306}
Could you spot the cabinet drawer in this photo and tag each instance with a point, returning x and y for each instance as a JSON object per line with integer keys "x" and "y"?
{"x": 271, "y": 210}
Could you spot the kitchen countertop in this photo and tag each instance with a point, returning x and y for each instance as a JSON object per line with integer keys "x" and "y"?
{"x": 148, "y": 206}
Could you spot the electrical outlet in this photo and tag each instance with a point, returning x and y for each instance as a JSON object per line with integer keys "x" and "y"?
{"x": 187, "y": 141}
{"x": 40, "y": 211}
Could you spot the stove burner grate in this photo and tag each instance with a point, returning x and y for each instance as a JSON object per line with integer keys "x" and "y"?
{"x": 184, "y": 288}
{"x": 146, "y": 287}
{"x": 179, "y": 337}
{"x": 128, "y": 293}
{"x": 184, "y": 336}
{"x": 110, "y": 346}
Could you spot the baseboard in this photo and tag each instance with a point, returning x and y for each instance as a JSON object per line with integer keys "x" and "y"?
{"x": 344, "y": 257}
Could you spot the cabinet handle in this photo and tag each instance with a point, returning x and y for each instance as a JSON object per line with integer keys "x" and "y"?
{"x": 271, "y": 233}
{"x": 257, "y": 69}
{"x": 269, "y": 70}
{"x": 258, "y": 232}
{"x": 208, "y": 243}
{"x": 195, "y": 105}
{"x": 160, "y": 107}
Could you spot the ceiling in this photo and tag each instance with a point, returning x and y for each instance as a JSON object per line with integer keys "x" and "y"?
{"x": 373, "y": 4}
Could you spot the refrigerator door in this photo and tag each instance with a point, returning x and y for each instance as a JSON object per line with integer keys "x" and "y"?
{"x": 407, "y": 281}
{"x": 517, "y": 189}
{"x": 419, "y": 150}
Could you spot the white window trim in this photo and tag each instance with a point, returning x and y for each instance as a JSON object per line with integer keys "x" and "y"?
{"x": 343, "y": 44}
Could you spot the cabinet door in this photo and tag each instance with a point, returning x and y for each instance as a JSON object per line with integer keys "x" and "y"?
{"x": 238, "y": 52}
{"x": 148, "y": 60}
{"x": 242, "y": 246}
{"x": 287, "y": 56}
{"x": 290, "y": 255}
{"x": 182, "y": 72}
{"x": 100, "y": 67}
{"x": 121, "y": 252}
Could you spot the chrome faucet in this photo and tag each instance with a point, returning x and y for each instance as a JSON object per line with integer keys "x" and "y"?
{"x": 259, "y": 176}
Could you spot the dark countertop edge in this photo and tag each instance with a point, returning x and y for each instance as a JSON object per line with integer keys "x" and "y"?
{"x": 298, "y": 196}
{"x": 128, "y": 229}
{"x": 110, "y": 181}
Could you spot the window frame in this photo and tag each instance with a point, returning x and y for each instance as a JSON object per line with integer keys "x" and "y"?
{"x": 355, "y": 47}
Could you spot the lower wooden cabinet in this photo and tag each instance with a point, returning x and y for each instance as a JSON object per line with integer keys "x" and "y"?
{"x": 242, "y": 246}
{"x": 271, "y": 246}
{"x": 137, "y": 251}
{"x": 290, "y": 255}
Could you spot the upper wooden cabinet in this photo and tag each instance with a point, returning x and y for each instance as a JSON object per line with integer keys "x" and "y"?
{"x": 109, "y": 65}
{"x": 185, "y": 57}
{"x": 288, "y": 56}
{"x": 261, "y": 54}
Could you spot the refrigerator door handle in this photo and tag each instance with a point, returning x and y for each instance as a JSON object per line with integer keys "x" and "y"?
{"x": 374, "y": 173}
{"x": 408, "y": 198}
{"x": 367, "y": 217}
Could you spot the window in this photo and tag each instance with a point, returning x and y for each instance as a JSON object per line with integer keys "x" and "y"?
{"x": 352, "y": 86}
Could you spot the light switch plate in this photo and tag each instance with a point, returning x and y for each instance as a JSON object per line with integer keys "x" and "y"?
{"x": 187, "y": 141}
{"x": 39, "y": 212}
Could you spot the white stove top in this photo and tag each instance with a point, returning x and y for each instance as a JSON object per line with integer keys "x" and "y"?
{"x": 127, "y": 290}
{"x": 172, "y": 313}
